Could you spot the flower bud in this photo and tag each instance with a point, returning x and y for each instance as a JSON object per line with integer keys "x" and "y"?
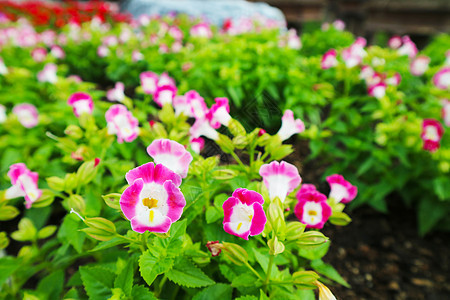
{"x": 214, "y": 247}
{"x": 87, "y": 172}
{"x": 294, "y": 230}
{"x": 305, "y": 279}
{"x": 74, "y": 131}
{"x": 236, "y": 128}
{"x": 311, "y": 238}
{"x": 112, "y": 200}
{"x": 275, "y": 246}
{"x": 235, "y": 253}
{"x": 225, "y": 144}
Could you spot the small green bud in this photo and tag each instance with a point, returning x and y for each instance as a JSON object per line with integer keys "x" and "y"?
{"x": 46, "y": 199}
{"x": 46, "y": 231}
{"x": 74, "y": 131}
{"x": 294, "y": 230}
{"x": 76, "y": 202}
{"x": 224, "y": 174}
{"x": 236, "y": 128}
{"x": 311, "y": 238}
{"x": 4, "y": 241}
{"x": 25, "y": 232}
{"x": 235, "y": 253}
{"x": 275, "y": 246}
{"x": 8, "y": 212}
{"x": 55, "y": 183}
{"x": 112, "y": 200}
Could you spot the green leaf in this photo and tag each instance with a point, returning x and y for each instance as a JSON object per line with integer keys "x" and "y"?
{"x": 68, "y": 232}
{"x": 314, "y": 252}
{"x": 52, "y": 285}
{"x": 247, "y": 297}
{"x": 152, "y": 263}
{"x": 108, "y": 244}
{"x": 212, "y": 214}
{"x": 26, "y": 232}
{"x": 140, "y": 292}
{"x": 325, "y": 269}
{"x": 97, "y": 282}
{"x": 8, "y": 266}
{"x": 263, "y": 261}
{"x": 185, "y": 273}
{"x": 429, "y": 213}
{"x": 46, "y": 231}
{"x": 124, "y": 280}
{"x": 8, "y": 212}
{"x": 245, "y": 280}
{"x": 218, "y": 291}
{"x": 441, "y": 187}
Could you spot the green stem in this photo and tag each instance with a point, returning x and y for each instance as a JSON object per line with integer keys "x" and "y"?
{"x": 269, "y": 269}
{"x": 254, "y": 271}
{"x": 238, "y": 159}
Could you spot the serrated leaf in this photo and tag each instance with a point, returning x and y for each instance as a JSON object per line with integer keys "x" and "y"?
{"x": 248, "y": 297}
{"x": 151, "y": 264}
{"x": 52, "y": 285}
{"x": 97, "y": 282}
{"x": 218, "y": 291}
{"x": 140, "y": 292}
{"x": 124, "y": 280}
{"x": 245, "y": 280}
{"x": 185, "y": 273}
{"x": 325, "y": 269}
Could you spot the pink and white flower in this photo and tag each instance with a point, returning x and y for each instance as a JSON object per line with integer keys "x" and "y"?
{"x": 175, "y": 32}
{"x": 165, "y": 79}
{"x": 244, "y": 214}
{"x": 48, "y": 74}
{"x": 137, "y": 56}
{"x": 219, "y": 113}
{"x": 340, "y": 189}
{"x": 339, "y": 25}
{"x": 408, "y": 47}
{"x": 442, "y": 78}
{"x": 280, "y": 178}
{"x": 24, "y": 184}
{"x": 197, "y": 104}
{"x": 329, "y": 59}
{"x": 153, "y": 201}
{"x": 312, "y": 209}
{"x": 57, "y": 52}
{"x": 446, "y": 112}
{"x": 181, "y": 105}
{"x": 377, "y": 90}
{"x": 81, "y": 103}
{"x": 102, "y": 51}
{"x": 171, "y": 154}
{"x": 122, "y": 123}
{"x": 27, "y": 114}
{"x": 432, "y": 132}
{"x": 306, "y": 188}
{"x": 201, "y": 30}
{"x": 201, "y": 127}
{"x": 351, "y": 59}
{"x": 2, "y": 114}
{"x": 289, "y": 125}
{"x": 3, "y": 68}
{"x": 394, "y": 80}
{"x": 149, "y": 82}
{"x": 293, "y": 40}
{"x": 165, "y": 94}
{"x": 116, "y": 93}
{"x": 197, "y": 144}
{"x": 366, "y": 73}
{"x": 419, "y": 65}
{"x": 39, "y": 54}
{"x": 395, "y": 42}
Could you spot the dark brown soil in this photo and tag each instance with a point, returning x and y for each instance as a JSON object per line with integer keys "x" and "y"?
{"x": 382, "y": 257}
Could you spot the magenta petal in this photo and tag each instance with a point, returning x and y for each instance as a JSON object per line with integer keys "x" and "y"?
{"x": 175, "y": 201}
{"x": 141, "y": 228}
{"x": 151, "y": 173}
{"x": 228, "y": 206}
{"x": 130, "y": 198}
{"x": 259, "y": 220}
{"x": 228, "y": 229}
{"x": 248, "y": 197}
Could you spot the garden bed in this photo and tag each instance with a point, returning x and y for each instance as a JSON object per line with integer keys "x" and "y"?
{"x": 382, "y": 257}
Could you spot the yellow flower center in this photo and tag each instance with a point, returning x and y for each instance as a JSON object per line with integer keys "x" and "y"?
{"x": 150, "y": 202}
{"x": 312, "y": 213}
